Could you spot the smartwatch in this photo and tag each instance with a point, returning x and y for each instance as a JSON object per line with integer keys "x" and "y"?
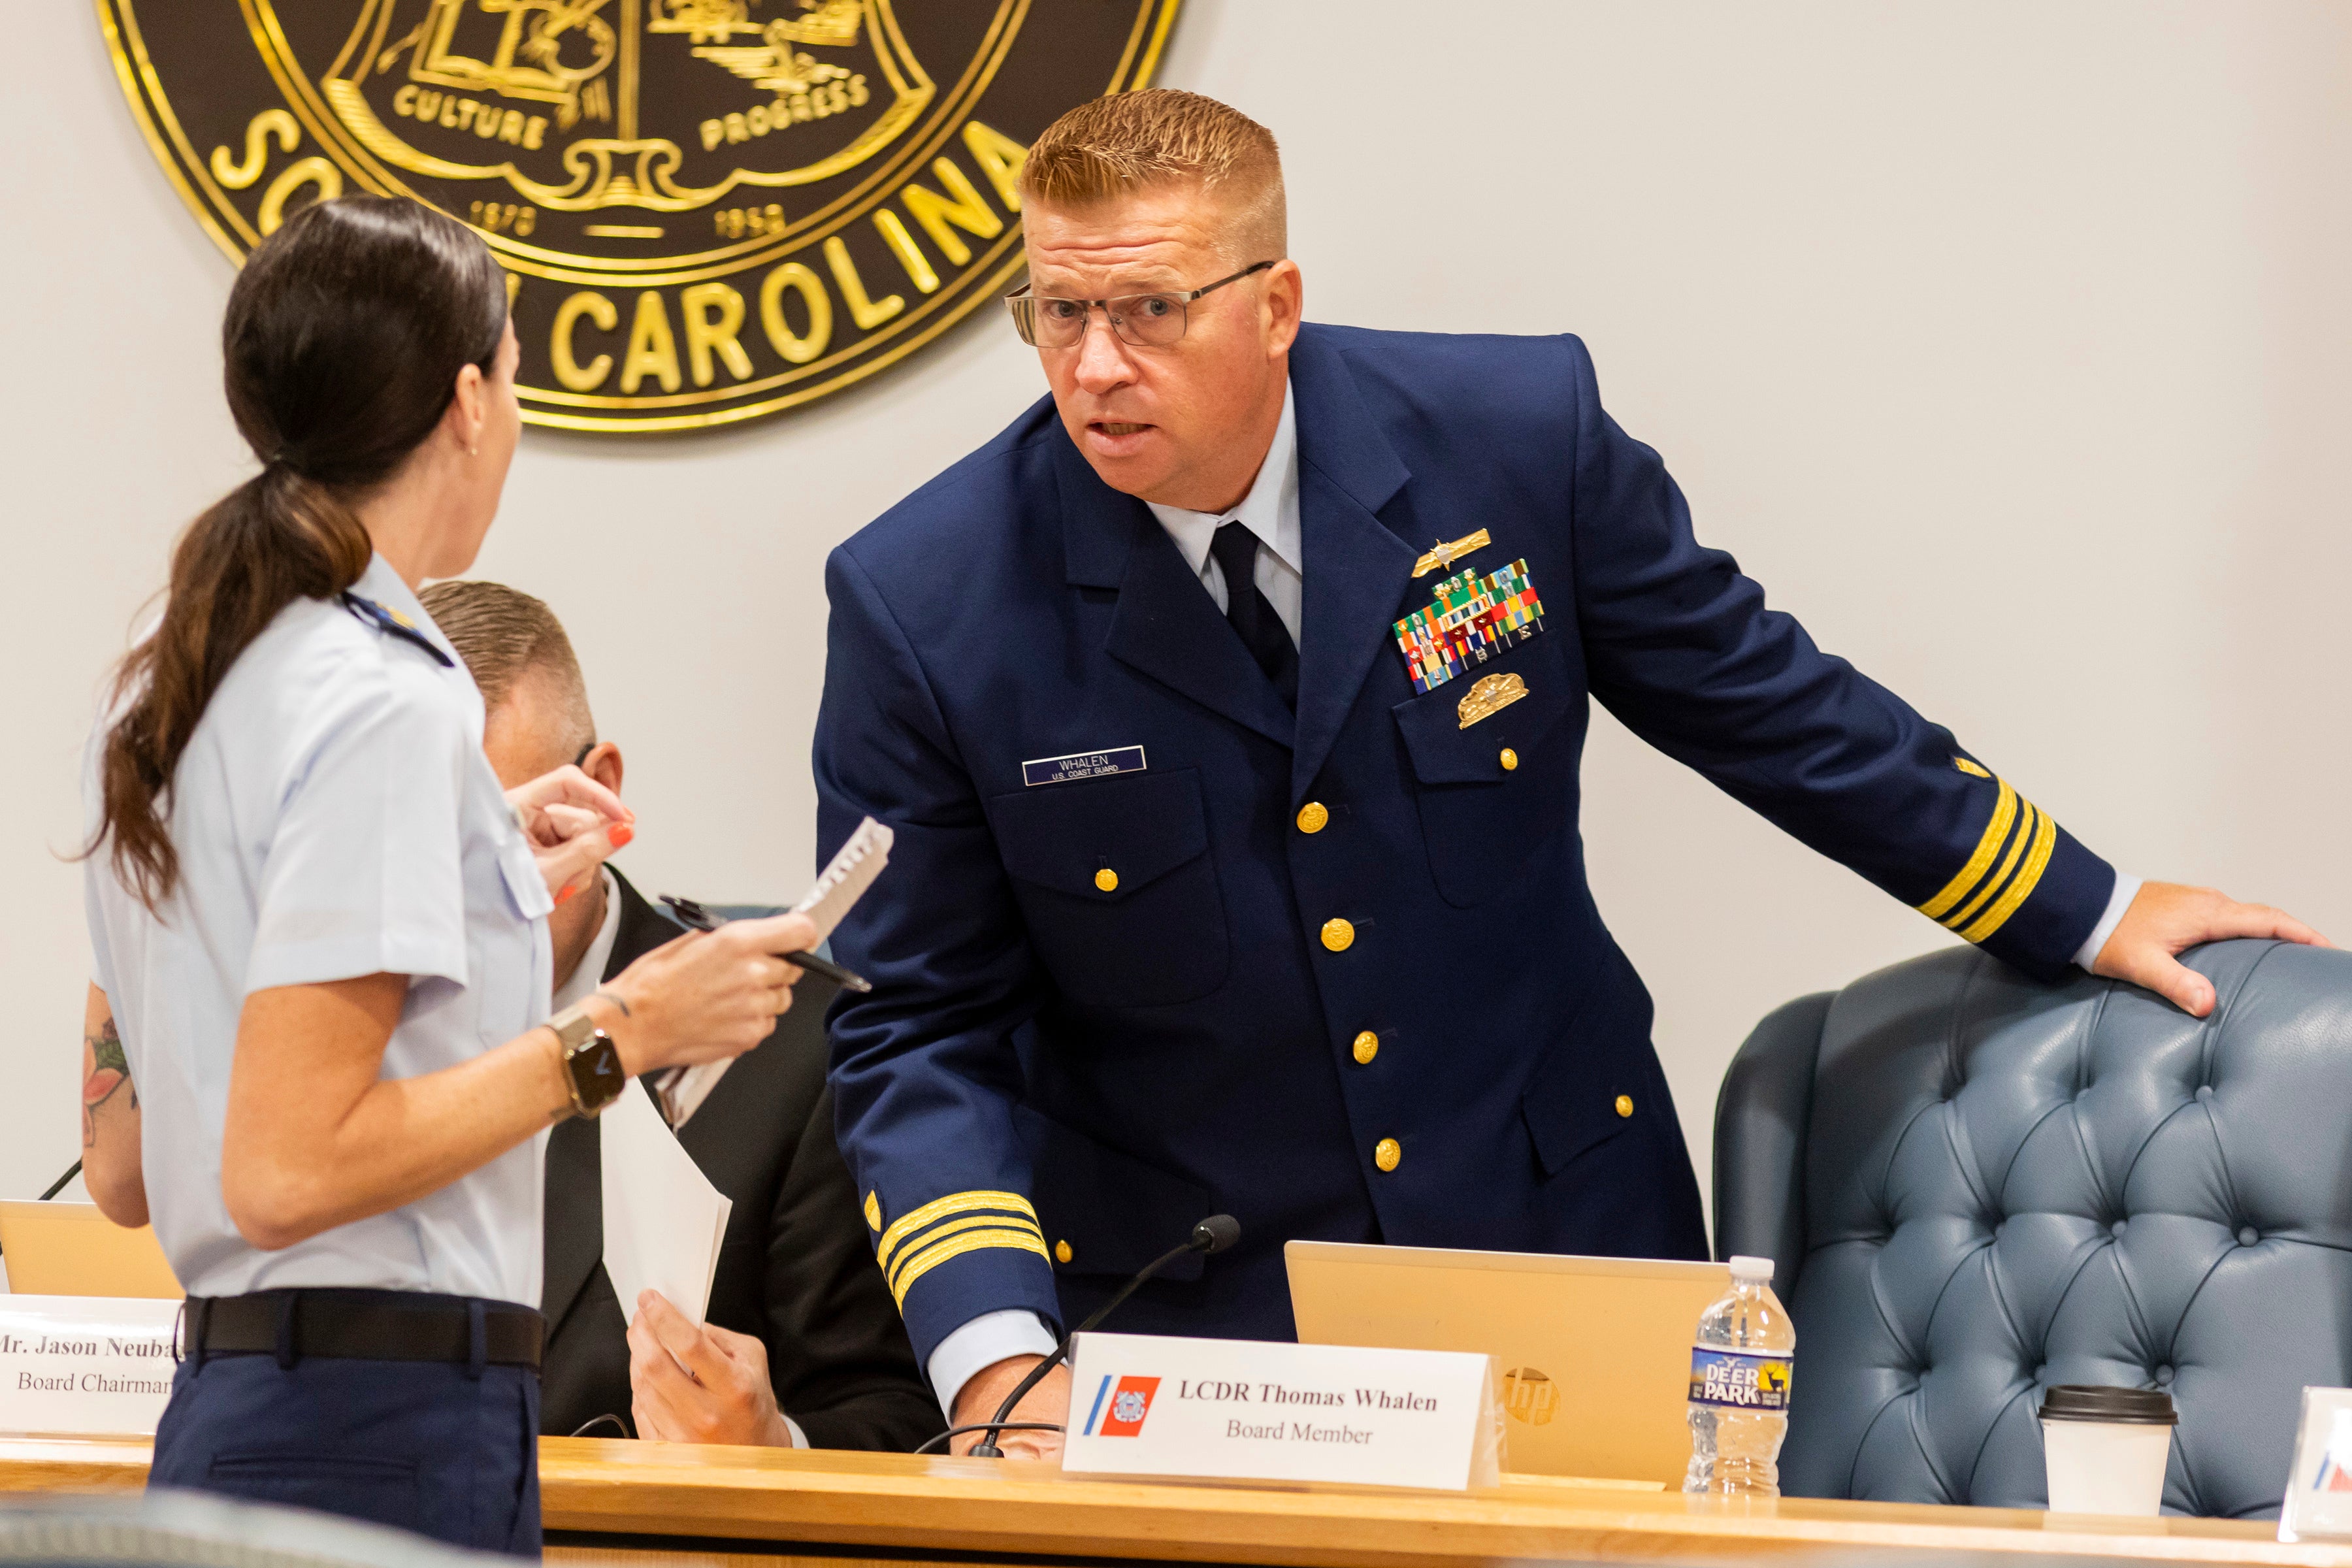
{"x": 592, "y": 1062}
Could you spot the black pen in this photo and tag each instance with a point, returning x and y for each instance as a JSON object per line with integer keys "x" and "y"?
{"x": 695, "y": 916}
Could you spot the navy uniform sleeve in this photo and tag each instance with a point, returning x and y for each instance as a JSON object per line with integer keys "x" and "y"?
{"x": 924, "y": 1073}
{"x": 1681, "y": 647}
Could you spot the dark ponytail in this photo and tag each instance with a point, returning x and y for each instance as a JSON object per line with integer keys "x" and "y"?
{"x": 345, "y": 333}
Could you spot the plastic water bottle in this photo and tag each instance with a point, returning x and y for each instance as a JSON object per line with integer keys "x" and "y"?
{"x": 1741, "y": 1362}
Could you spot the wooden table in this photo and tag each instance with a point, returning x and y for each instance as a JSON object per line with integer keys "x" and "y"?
{"x": 640, "y": 1505}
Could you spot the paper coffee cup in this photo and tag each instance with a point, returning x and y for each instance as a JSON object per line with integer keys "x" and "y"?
{"x": 2105, "y": 1448}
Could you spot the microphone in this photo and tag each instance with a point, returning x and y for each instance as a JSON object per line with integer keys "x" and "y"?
{"x": 1212, "y": 1235}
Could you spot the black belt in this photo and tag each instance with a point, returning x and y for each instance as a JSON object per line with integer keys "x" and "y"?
{"x": 365, "y": 1325}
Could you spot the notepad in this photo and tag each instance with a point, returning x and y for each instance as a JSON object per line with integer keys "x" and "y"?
{"x": 839, "y": 886}
{"x": 663, "y": 1221}
{"x": 845, "y": 879}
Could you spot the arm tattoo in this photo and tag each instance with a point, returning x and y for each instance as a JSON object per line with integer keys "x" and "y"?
{"x": 109, "y": 1070}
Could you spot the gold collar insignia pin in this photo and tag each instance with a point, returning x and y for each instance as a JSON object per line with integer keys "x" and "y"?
{"x": 1446, "y": 554}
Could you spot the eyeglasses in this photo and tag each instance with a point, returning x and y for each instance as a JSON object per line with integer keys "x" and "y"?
{"x": 1145, "y": 321}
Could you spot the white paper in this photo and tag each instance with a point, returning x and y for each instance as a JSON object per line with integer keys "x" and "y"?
{"x": 1245, "y": 1410}
{"x": 663, "y": 1219}
{"x": 84, "y": 1364}
{"x": 845, "y": 879}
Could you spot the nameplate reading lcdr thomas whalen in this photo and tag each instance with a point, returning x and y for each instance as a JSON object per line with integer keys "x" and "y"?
{"x": 709, "y": 210}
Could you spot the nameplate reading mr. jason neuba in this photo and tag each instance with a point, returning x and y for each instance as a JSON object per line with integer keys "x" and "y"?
{"x": 84, "y": 1364}
{"x": 1243, "y": 1410}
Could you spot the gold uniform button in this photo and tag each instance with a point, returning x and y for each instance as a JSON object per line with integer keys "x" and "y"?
{"x": 1510, "y": 759}
{"x": 1386, "y": 1154}
{"x": 1624, "y": 1105}
{"x": 1368, "y": 1046}
{"x": 1339, "y": 935}
{"x": 1061, "y": 1252}
{"x": 1313, "y": 816}
{"x": 1107, "y": 879}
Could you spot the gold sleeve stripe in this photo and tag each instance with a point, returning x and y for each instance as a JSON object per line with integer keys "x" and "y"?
{"x": 939, "y": 1233}
{"x": 2045, "y": 839}
{"x": 2004, "y": 812}
{"x": 906, "y": 1224}
{"x": 925, "y": 1260}
{"x": 1993, "y": 883}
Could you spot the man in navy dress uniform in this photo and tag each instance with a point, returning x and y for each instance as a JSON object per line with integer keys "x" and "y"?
{"x": 1228, "y": 709}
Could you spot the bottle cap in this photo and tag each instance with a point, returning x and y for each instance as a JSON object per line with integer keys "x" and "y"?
{"x": 1752, "y": 1270}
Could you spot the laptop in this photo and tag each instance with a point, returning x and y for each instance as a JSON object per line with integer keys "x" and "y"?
{"x": 71, "y": 1249}
{"x": 1591, "y": 1355}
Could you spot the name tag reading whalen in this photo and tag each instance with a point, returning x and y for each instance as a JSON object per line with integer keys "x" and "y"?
{"x": 1083, "y": 765}
{"x": 1243, "y": 1410}
{"x": 84, "y": 1364}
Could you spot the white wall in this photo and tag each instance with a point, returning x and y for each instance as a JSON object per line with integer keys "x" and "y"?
{"x": 2005, "y": 343}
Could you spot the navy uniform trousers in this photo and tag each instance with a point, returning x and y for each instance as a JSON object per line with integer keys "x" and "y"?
{"x": 1338, "y": 972}
{"x": 437, "y": 1447}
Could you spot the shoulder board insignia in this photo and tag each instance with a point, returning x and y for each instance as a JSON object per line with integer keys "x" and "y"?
{"x": 393, "y": 622}
{"x": 1974, "y": 770}
{"x": 873, "y": 1212}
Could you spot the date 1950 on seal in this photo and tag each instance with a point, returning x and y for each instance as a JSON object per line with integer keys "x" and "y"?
{"x": 709, "y": 210}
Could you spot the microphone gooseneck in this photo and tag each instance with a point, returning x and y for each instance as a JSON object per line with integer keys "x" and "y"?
{"x": 1212, "y": 1235}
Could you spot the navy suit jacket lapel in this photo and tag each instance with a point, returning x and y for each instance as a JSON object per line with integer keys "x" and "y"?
{"x": 1356, "y": 569}
{"x": 1166, "y": 624}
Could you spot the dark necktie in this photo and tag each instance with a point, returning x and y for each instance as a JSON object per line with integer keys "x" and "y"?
{"x": 1262, "y": 632}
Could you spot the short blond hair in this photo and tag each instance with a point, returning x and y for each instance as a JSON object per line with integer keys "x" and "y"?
{"x": 1163, "y": 135}
{"x": 504, "y": 634}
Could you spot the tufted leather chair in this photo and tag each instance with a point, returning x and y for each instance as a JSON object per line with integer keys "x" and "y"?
{"x": 1975, "y": 1185}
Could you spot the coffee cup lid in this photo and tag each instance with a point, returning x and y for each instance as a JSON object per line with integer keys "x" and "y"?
{"x": 2081, "y": 1402}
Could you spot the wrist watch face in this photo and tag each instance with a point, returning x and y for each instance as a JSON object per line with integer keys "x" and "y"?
{"x": 596, "y": 1075}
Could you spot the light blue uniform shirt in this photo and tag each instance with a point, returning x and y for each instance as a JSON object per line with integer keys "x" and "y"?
{"x": 334, "y": 818}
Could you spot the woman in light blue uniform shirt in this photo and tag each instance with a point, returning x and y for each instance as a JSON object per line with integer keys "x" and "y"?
{"x": 320, "y": 949}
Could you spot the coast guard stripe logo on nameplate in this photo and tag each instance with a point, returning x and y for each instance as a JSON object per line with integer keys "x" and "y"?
{"x": 1083, "y": 765}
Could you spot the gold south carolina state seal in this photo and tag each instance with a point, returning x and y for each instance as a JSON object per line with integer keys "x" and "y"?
{"x": 709, "y": 210}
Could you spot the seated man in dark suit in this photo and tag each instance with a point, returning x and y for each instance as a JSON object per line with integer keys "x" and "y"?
{"x": 803, "y": 1347}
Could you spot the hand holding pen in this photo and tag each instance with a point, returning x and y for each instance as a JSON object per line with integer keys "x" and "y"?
{"x": 695, "y": 917}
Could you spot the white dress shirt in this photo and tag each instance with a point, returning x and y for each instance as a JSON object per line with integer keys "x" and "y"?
{"x": 1270, "y": 510}
{"x": 334, "y": 818}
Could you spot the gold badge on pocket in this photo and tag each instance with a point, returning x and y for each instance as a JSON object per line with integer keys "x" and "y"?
{"x": 1490, "y": 695}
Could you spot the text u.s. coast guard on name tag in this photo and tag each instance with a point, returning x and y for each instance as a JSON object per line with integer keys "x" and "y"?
{"x": 1236, "y": 1409}
{"x": 1083, "y": 765}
